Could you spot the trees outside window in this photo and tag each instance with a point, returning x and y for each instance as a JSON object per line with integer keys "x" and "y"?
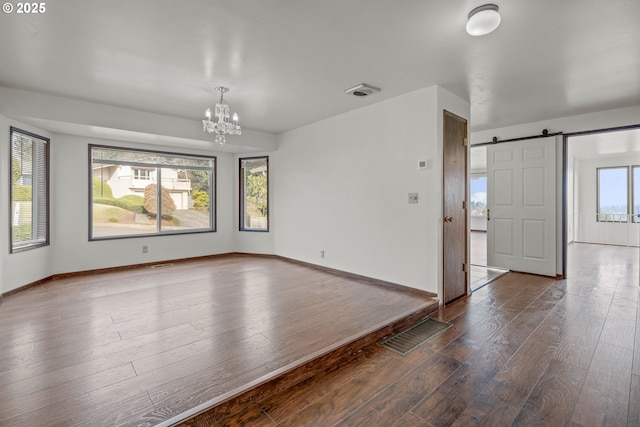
{"x": 142, "y": 193}
{"x": 254, "y": 194}
{"x": 478, "y": 195}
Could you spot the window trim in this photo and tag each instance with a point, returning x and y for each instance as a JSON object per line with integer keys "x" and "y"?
{"x": 47, "y": 165}
{"x": 213, "y": 182}
{"x": 241, "y": 198}
{"x": 598, "y": 194}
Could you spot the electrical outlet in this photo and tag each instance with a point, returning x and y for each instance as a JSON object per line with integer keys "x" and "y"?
{"x": 145, "y": 249}
{"x": 322, "y": 253}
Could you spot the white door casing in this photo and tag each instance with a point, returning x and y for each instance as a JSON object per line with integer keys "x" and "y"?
{"x": 521, "y": 197}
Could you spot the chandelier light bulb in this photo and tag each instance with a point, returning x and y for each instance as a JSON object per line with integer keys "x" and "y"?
{"x": 235, "y": 118}
{"x": 208, "y": 113}
{"x": 483, "y": 20}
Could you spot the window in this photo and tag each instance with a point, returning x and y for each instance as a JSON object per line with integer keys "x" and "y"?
{"x": 29, "y": 190}
{"x": 142, "y": 193}
{"x": 613, "y": 194}
{"x": 478, "y": 195}
{"x": 636, "y": 194}
{"x": 144, "y": 174}
{"x": 254, "y": 194}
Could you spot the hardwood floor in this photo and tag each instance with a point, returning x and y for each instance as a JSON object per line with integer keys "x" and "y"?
{"x": 524, "y": 350}
{"x": 138, "y": 347}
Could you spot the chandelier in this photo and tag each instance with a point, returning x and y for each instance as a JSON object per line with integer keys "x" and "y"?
{"x": 223, "y": 124}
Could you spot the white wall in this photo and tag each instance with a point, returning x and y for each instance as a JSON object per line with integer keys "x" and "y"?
{"x": 342, "y": 186}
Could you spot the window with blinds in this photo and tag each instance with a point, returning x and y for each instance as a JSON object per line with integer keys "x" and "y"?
{"x": 29, "y": 190}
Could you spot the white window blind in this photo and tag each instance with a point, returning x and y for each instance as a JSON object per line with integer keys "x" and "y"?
{"x": 29, "y": 190}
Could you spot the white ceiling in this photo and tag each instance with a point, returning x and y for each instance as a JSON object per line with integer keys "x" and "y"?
{"x": 288, "y": 62}
{"x": 608, "y": 144}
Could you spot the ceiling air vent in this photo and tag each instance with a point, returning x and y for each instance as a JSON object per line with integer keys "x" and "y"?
{"x": 362, "y": 90}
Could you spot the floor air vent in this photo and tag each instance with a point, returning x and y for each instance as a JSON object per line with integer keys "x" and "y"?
{"x": 408, "y": 340}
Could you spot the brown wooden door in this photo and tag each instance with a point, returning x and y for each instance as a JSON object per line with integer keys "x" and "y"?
{"x": 454, "y": 225}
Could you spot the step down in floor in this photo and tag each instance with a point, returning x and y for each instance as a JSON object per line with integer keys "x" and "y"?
{"x": 320, "y": 365}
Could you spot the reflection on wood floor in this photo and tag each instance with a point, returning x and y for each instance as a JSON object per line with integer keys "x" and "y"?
{"x": 523, "y": 350}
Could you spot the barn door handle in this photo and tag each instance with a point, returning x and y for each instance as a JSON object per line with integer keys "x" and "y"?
{"x": 448, "y": 219}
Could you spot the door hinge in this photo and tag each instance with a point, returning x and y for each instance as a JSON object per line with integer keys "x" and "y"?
{"x": 464, "y": 267}
{"x": 464, "y": 141}
{"x": 464, "y": 204}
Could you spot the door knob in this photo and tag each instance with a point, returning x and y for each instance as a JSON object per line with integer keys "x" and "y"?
{"x": 448, "y": 219}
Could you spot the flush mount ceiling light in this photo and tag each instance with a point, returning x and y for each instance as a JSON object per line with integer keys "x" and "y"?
{"x": 224, "y": 123}
{"x": 483, "y": 20}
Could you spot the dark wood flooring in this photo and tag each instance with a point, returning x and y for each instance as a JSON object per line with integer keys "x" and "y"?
{"x": 524, "y": 350}
{"x": 141, "y": 346}
{"x": 138, "y": 347}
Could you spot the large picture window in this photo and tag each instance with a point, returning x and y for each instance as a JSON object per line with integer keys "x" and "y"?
{"x": 142, "y": 193}
{"x": 29, "y": 190}
{"x": 254, "y": 194}
{"x": 613, "y": 194}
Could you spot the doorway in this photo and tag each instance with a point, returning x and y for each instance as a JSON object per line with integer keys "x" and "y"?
{"x": 481, "y": 273}
{"x": 602, "y": 171}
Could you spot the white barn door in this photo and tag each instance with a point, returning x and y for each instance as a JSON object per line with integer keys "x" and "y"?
{"x": 521, "y": 197}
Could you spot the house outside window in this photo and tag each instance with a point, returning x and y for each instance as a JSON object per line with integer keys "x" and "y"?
{"x": 29, "y": 190}
{"x": 254, "y": 194}
{"x": 142, "y": 193}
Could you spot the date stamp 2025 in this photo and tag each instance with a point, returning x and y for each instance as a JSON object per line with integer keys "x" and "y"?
{"x": 24, "y": 8}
